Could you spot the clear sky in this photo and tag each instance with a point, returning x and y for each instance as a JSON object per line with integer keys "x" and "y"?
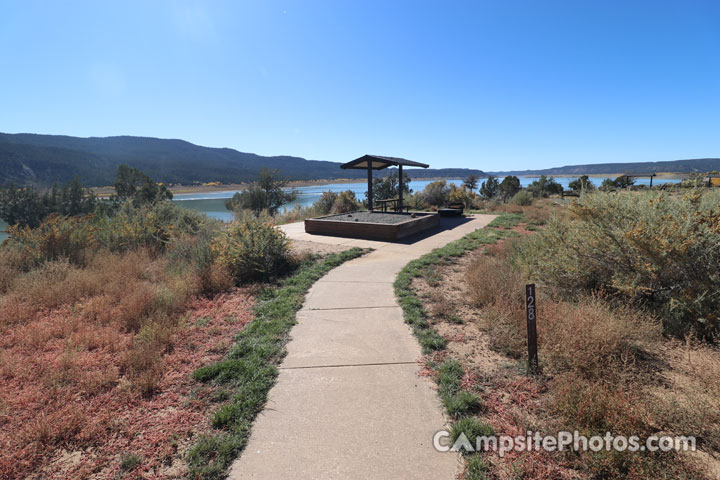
{"x": 491, "y": 85}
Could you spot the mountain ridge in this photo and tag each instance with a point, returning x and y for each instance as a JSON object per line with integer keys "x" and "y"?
{"x": 30, "y": 158}
{"x": 687, "y": 166}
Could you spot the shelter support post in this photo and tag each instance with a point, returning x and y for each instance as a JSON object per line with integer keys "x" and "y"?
{"x": 370, "y": 185}
{"x": 400, "y": 184}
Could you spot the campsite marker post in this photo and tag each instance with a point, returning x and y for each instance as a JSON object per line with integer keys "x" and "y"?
{"x": 531, "y": 313}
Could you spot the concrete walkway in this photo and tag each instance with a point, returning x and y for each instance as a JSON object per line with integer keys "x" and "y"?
{"x": 349, "y": 403}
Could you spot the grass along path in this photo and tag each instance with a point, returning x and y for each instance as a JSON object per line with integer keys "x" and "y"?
{"x": 250, "y": 368}
{"x": 459, "y": 403}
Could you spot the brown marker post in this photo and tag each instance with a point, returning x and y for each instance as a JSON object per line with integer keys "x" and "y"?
{"x": 531, "y": 313}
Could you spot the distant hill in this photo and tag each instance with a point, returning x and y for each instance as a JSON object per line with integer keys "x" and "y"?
{"x": 45, "y": 159}
{"x": 672, "y": 166}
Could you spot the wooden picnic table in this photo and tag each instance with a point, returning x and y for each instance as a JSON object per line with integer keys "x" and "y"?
{"x": 393, "y": 204}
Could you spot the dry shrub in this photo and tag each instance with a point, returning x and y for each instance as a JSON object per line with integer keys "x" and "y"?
{"x": 36, "y": 337}
{"x": 687, "y": 401}
{"x": 506, "y": 208}
{"x": 10, "y": 267}
{"x": 492, "y": 281}
{"x": 592, "y": 339}
{"x": 8, "y": 368}
{"x": 494, "y": 286}
{"x": 589, "y": 337}
{"x": 65, "y": 371}
{"x": 55, "y": 283}
{"x": 13, "y": 310}
{"x": 703, "y": 362}
{"x": 215, "y": 279}
{"x": 57, "y": 426}
{"x": 157, "y": 334}
{"x": 597, "y": 406}
{"x": 96, "y": 337}
{"x": 143, "y": 365}
{"x": 93, "y": 383}
{"x": 97, "y": 309}
{"x": 147, "y": 382}
{"x": 597, "y": 355}
{"x": 536, "y": 215}
{"x": 134, "y": 307}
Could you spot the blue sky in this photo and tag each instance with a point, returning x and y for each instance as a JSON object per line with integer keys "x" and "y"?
{"x": 490, "y": 85}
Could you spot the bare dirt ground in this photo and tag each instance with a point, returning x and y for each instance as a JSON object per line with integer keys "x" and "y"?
{"x": 300, "y": 247}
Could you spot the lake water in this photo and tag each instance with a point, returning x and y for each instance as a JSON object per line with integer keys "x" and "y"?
{"x": 213, "y": 203}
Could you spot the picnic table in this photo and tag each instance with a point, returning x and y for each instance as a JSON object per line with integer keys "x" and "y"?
{"x": 393, "y": 204}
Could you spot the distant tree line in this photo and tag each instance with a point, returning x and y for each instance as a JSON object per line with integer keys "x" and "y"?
{"x": 28, "y": 206}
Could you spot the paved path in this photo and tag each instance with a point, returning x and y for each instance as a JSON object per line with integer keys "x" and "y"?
{"x": 348, "y": 403}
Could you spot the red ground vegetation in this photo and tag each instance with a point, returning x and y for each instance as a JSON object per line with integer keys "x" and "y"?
{"x": 70, "y": 409}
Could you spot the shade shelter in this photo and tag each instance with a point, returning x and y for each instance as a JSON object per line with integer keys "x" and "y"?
{"x": 377, "y": 162}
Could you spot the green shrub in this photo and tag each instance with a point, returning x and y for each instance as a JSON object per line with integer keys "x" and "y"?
{"x": 581, "y": 184}
{"x": 509, "y": 187}
{"x": 128, "y": 461}
{"x": 490, "y": 188}
{"x": 477, "y": 468}
{"x": 472, "y": 428}
{"x": 435, "y": 194}
{"x": 326, "y": 202}
{"x": 653, "y": 249}
{"x": 150, "y": 226}
{"x": 523, "y": 198}
{"x": 69, "y": 238}
{"x": 252, "y": 249}
{"x": 462, "y": 404}
{"x": 462, "y": 195}
{"x": 346, "y": 202}
{"x": 544, "y": 187}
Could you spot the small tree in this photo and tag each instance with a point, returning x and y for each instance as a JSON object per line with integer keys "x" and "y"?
{"x": 544, "y": 187}
{"x": 581, "y": 184}
{"x": 435, "y": 193}
{"x": 21, "y": 206}
{"x": 624, "y": 182}
{"x": 389, "y": 187}
{"x": 132, "y": 184}
{"x": 471, "y": 182}
{"x": 619, "y": 183}
{"x": 267, "y": 193}
{"x": 325, "y": 203}
{"x": 489, "y": 188}
{"x": 509, "y": 187}
{"x": 346, "y": 202}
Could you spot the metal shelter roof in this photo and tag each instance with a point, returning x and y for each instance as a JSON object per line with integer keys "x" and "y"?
{"x": 379, "y": 162}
